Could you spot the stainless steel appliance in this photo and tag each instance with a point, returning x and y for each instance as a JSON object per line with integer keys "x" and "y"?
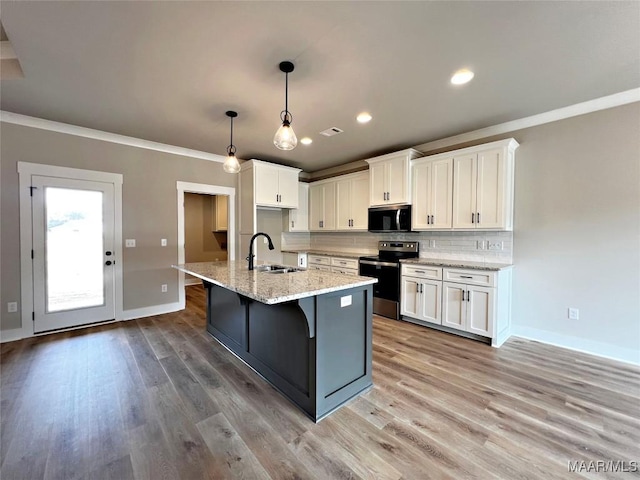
{"x": 393, "y": 218}
{"x": 386, "y": 268}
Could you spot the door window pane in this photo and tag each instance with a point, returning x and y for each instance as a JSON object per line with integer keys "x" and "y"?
{"x": 74, "y": 249}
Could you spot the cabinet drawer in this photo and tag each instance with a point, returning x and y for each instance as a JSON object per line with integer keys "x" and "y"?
{"x": 422, "y": 271}
{"x": 345, "y": 271}
{"x": 324, "y": 268}
{"x": 470, "y": 277}
{"x": 319, "y": 260}
{"x": 344, "y": 262}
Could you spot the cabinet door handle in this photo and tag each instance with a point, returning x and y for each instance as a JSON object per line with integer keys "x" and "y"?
{"x": 419, "y": 271}
{"x": 465, "y": 276}
{"x": 428, "y": 219}
{"x": 388, "y": 196}
{"x": 463, "y": 295}
{"x": 478, "y": 217}
{"x": 473, "y": 217}
{"x": 432, "y": 222}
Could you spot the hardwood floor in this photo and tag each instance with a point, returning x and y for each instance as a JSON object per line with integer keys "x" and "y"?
{"x": 158, "y": 398}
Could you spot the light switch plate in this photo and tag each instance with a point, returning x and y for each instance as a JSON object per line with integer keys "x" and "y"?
{"x": 163, "y": 242}
{"x": 130, "y": 242}
{"x": 12, "y": 307}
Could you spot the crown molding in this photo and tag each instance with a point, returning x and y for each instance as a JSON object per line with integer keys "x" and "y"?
{"x": 602, "y": 103}
{"x": 59, "y": 127}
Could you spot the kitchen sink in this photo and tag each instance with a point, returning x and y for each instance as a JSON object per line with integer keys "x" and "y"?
{"x": 278, "y": 269}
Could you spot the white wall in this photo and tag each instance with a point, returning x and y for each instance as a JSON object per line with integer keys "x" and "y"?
{"x": 577, "y": 232}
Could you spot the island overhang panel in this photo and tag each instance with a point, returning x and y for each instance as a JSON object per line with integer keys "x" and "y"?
{"x": 315, "y": 349}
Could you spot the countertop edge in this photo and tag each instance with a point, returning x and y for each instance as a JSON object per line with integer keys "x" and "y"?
{"x": 456, "y": 264}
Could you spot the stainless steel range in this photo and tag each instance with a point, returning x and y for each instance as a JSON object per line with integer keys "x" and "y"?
{"x": 386, "y": 268}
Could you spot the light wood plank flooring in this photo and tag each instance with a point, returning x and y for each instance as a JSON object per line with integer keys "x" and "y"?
{"x": 157, "y": 398}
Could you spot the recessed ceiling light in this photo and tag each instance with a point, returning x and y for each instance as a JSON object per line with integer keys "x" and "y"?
{"x": 364, "y": 117}
{"x": 462, "y": 76}
{"x": 306, "y": 141}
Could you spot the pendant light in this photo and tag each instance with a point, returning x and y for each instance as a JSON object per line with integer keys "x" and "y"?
{"x": 285, "y": 137}
{"x": 231, "y": 164}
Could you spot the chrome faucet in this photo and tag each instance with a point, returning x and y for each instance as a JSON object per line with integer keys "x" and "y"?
{"x": 251, "y": 255}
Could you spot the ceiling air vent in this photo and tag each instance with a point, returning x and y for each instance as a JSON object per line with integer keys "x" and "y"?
{"x": 330, "y": 132}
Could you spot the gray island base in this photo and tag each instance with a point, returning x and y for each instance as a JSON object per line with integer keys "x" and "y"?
{"x": 313, "y": 350}
{"x": 308, "y": 333}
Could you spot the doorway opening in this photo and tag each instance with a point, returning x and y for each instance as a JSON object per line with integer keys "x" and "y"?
{"x": 203, "y": 230}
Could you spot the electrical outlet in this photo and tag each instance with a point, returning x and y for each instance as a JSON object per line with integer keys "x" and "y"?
{"x": 164, "y": 288}
{"x": 163, "y": 242}
{"x": 130, "y": 242}
{"x": 264, "y": 240}
{"x": 12, "y": 307}
{"x": 494, "y": 245}
{"x": 480, "y": 245}
{"x": 574, "y": 314}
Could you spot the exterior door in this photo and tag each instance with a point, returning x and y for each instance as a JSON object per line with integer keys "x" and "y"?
{"x": 73, "y": 252}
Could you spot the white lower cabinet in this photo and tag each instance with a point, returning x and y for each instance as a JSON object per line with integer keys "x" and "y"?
{"x": 468, "y": 308}
{"x": 421, "y": 299}
{"x": 346, "y": 266}
{"x": 472, "y": 301}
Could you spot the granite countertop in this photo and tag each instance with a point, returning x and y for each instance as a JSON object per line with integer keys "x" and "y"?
{"x": 328, "y": 253}
{"x": 457, "y": 264}
{"x": 272, "y": 288}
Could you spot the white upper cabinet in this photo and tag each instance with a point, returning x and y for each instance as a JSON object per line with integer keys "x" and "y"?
{"x": 432, "y": 194}
{"x": 467, "y": 189}
{"x": 322, "y": 206}
{"x": 297, "y": 219}
{"x": 483, "y": 182}
{"x": 275, "y": 185}
{"x": 389, "y": 177}
{"x": 352, "y": 201}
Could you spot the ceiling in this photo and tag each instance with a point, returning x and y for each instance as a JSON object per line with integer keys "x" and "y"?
{"x": 167, "y": 71}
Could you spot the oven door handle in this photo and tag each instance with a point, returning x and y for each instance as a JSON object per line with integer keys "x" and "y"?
{"x": 381, "y": 264}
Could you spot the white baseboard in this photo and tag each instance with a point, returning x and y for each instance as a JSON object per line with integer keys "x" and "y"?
{"x": 11, "y": 335}
{"x": 605, "y": 350}
{"x": 151, "y": 311}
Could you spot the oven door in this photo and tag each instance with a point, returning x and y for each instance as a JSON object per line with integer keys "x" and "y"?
{"x": 388, "y": 275}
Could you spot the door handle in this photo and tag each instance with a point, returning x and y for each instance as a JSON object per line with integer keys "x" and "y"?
{"x": 108, "y": 262}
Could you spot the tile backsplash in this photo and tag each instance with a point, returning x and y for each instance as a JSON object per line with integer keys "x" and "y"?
{"x": 469, "y": 246}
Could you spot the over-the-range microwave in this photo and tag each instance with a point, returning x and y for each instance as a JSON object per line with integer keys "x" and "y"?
{"x": 392, "y": 218}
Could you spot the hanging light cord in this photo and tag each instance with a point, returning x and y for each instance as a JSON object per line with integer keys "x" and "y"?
{"x": 285, "y": 115}
{"x": 231, "y": 149}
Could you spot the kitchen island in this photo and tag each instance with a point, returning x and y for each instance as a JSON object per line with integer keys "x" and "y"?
{"x": 308, "y": 333}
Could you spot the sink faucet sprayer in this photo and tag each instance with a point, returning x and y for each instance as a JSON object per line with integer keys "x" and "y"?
{"x": 251, "y": 255}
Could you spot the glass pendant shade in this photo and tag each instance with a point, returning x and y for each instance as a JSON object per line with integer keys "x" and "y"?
{"x": 285, "y": 138}
{"x": 231, "y": 164}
